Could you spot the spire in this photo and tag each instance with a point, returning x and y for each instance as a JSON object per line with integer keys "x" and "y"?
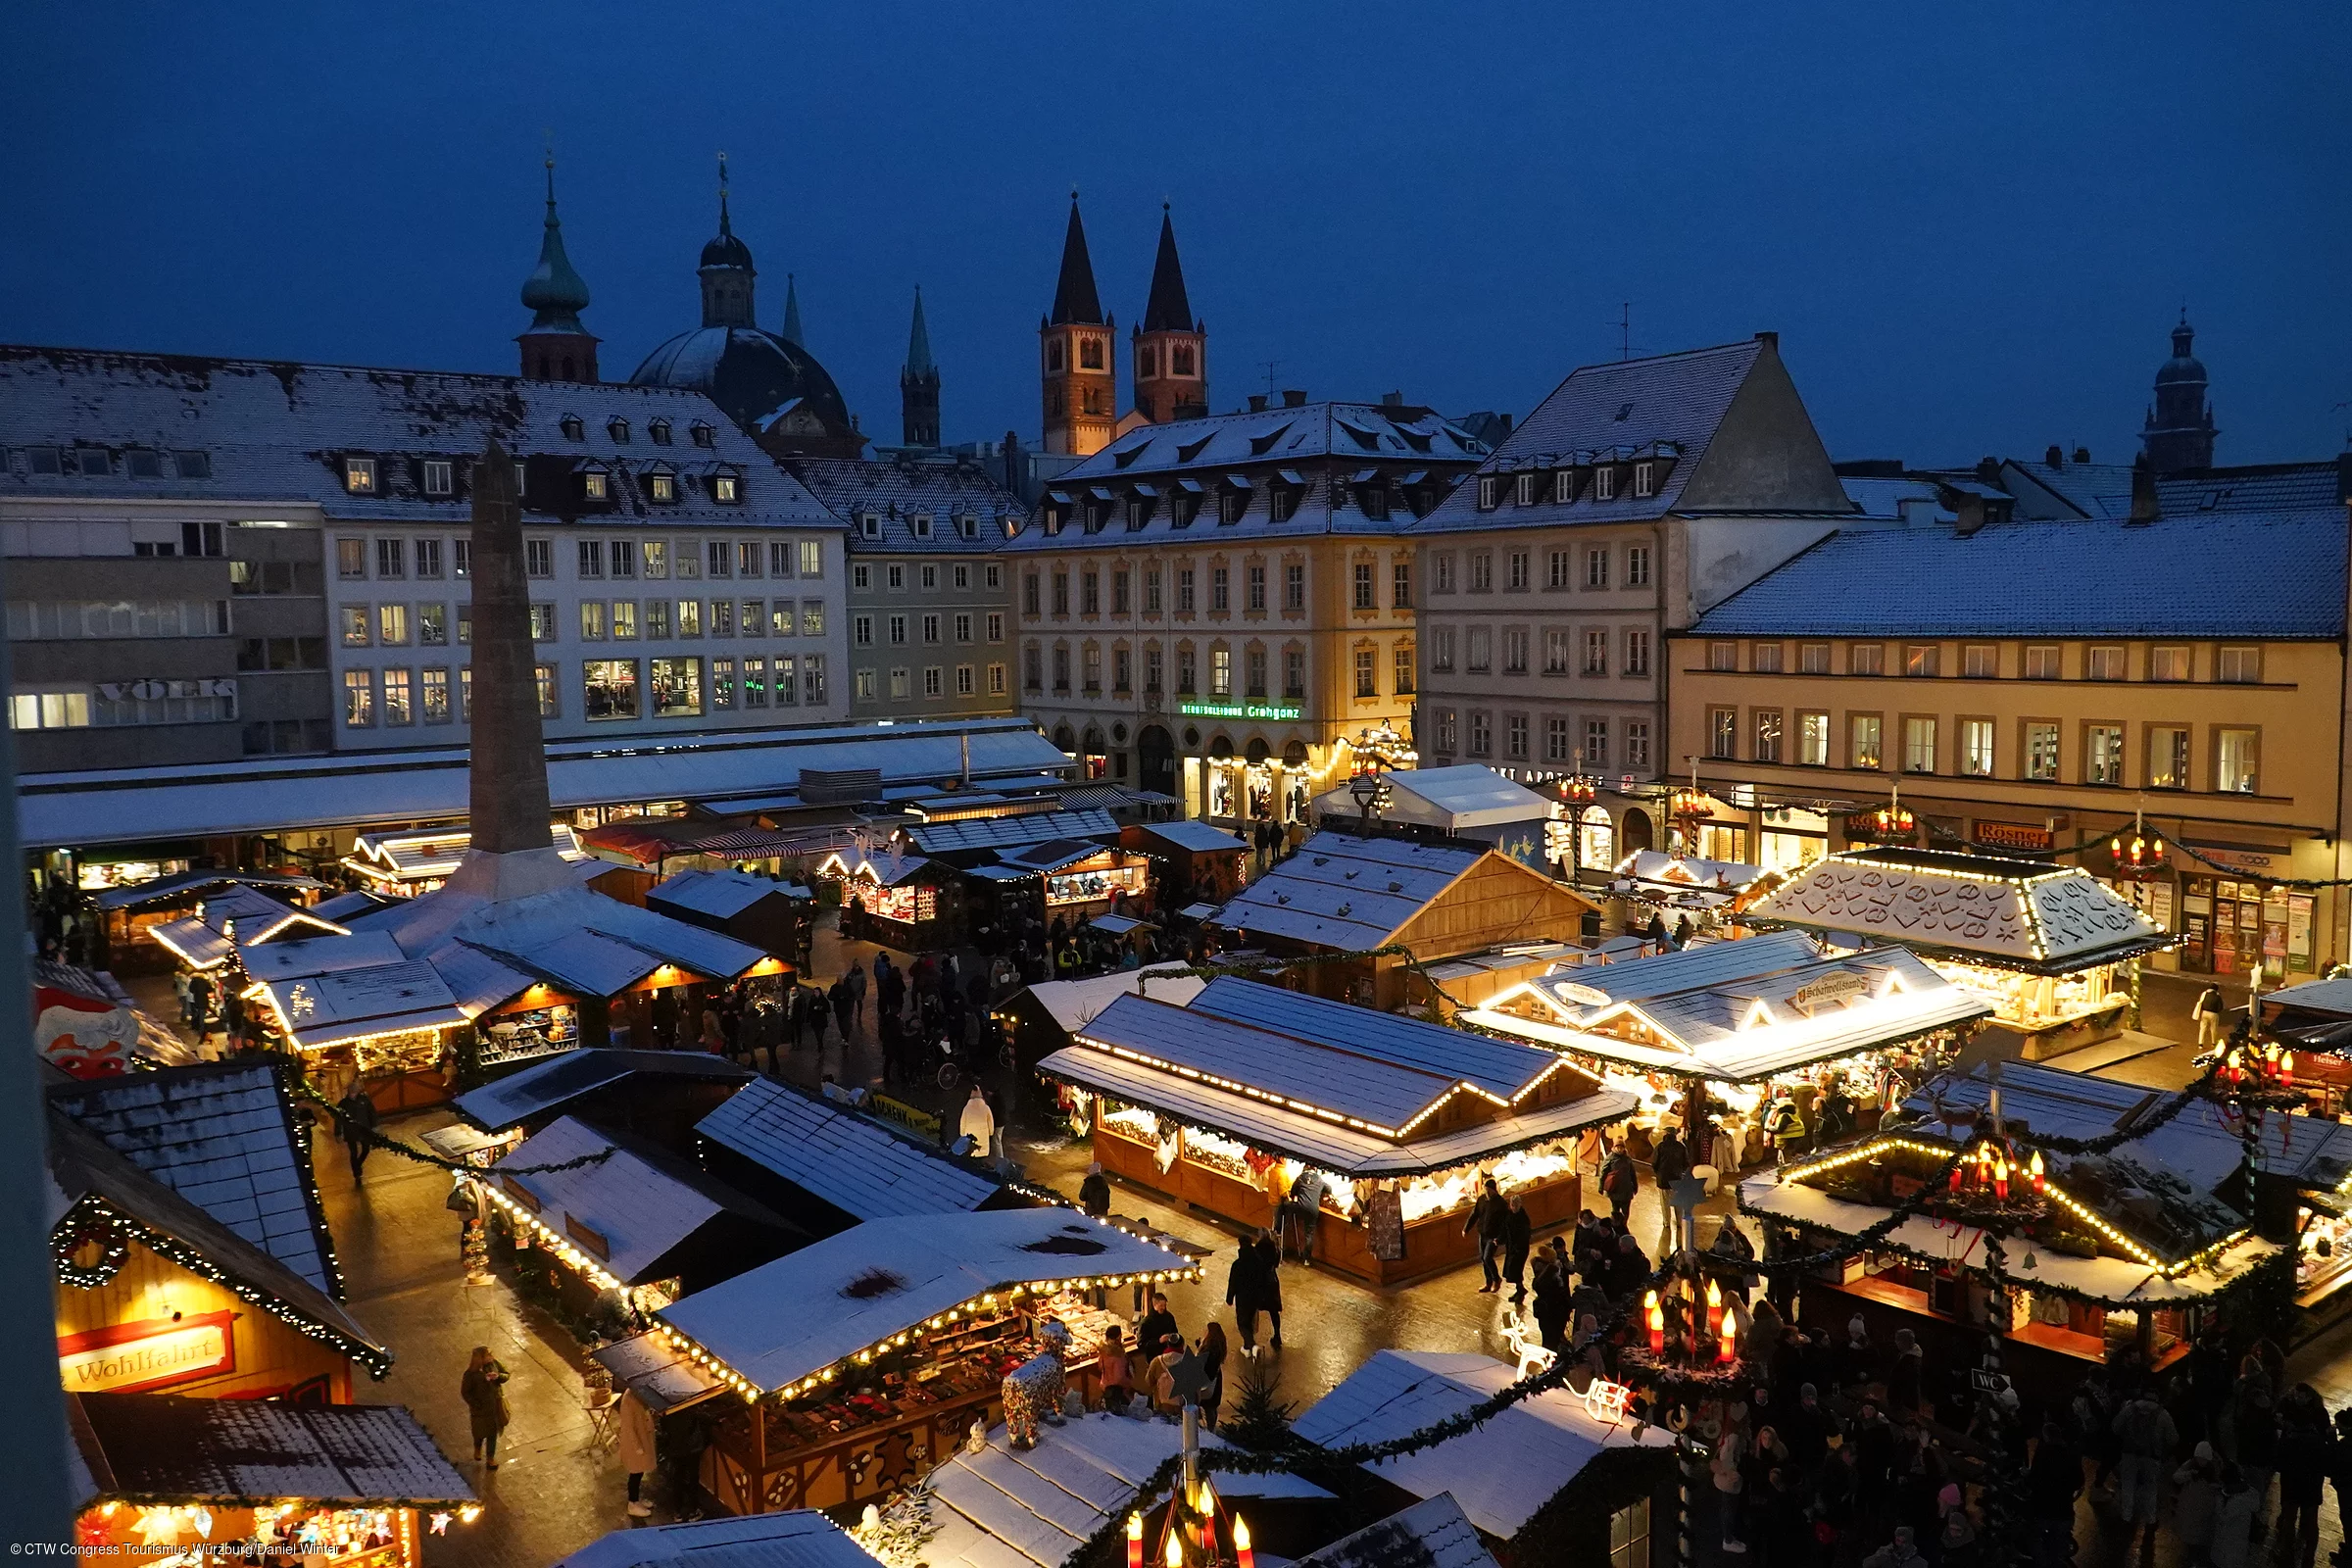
{"x": 554, "y": 292}
{"x": 1167, "y": 310}
{"x": 792, "y": 313}
{"x": 727, "y": 268}
{"x": 726, "y": 231}
{"x": 507, "y": 796}
{"x": 918, "y": 341}
{"x": 1074, "y": 297}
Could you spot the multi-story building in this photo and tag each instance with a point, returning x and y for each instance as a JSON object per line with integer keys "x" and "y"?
{"x": 296, "y": 571}
{"x": 929, "y": 601}
{"x": 1636, "y": 496}
{"x": 2134, "y": 671}
{"x": 1219, "y": 608}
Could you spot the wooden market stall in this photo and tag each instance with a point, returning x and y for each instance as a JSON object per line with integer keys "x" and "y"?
{"x": 856, "y": 1364}
{"x": 350, "y": 1486}
{"x": 1200, "y": 862}
{"x": 1229, "y": 1101}
{"x": 1042, "y": 1018}
{"x": 236, "y": 915}
{"x": 1721, "y": 1028}
{"x": 1079, "y": 879}
{"x": 2052, "y": 948}
{"x": 908, "y": 903}
{"x": 2127, "y": 1248}
{"x": 657, "y": 1094}
{"x": 771, "y": 915}
{"x": 1340, "y": 894}
{"x": 418, "y": 860}
{"x": 129, "y": 913}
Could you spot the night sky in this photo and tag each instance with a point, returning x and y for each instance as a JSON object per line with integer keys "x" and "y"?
{"x": 1971, "y": 237}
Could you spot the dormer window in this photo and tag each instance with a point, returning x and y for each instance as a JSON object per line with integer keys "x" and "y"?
{"x": 968, "y": 527}
{"x": 438, "y": 480}
{"x": 704, "y": 435}
{"x": 1644, "y": 481}
{"x": 1564, "y": 486}
{"x": 727, "y": 488}
{"x": 143, "y": 465}
{"x": 658, "y": 429}
{"x": 922, "y": 525}
{"x": 869, "y": 526}
{"x": 1375, "y": 500}
{"x": 192, "y": 465}
{"x": 618, "y": 430}
{"x": 661, "y": 487}
{"x": 1486, "y": 492}
{"x": 574, "y": 428}
{"x": 359, "y": 476}
{"x": 596, "y": 483}
{"x": 1526, "y": 490}
{"x": 1604, "y": 484}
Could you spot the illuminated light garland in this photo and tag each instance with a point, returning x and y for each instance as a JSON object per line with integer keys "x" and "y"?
{"x": 425, "y": 1156}
{"x": 552, "y": 1241}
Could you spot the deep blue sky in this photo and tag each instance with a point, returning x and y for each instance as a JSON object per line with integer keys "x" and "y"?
{"x": 1971, "y": 236}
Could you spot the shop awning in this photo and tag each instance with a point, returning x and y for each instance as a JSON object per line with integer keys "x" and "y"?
{"x": 661, "y": 1376}
{"x": 1119, "y": 925}
{"x": 145, "y": 1447}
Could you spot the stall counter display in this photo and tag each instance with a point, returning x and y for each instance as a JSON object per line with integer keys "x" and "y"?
{"x": 2323, "y": 1255}
{"x": 523, "y": 1036}
{"x": 1094, "y": 879}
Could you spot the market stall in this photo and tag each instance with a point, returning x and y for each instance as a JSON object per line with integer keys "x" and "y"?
{"x": 1226, "y": 1103}
{"x": 418, "y": 860}
{"x": 904, "y": 902}
{"x": 1083, "y": 879}
{"x": 159, "y": 1477}
{"x": 1718, "y": 1030}
{"x": 1198, "y": 860}
{"x": 233, "y": 916}
{"x": 1042, "y": 1018}
{"x": 2053, "y": 948}
{"x": 657, "y": 1095}
{"x": 860, "y": 1362}
{"x": 771, "y": 915}
{"x": 128, "y": 914}
{"x": 2126, "y": 1247}
{"x": 1673, "y": 887}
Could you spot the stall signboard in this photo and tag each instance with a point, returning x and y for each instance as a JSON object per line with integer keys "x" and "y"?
{"x": 2014, "y": 836}
{"x": 1274, "y": 712}
{"x": 154, "y": 1353}
{"x": 1828, "y": 989}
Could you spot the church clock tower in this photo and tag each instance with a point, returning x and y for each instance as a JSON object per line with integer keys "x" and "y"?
{"x": 1170, "y": 355}
{"x": 1076, "y": 351}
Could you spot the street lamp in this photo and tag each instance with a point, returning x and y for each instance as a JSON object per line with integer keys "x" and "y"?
{"x": 1370, "y": 792}
{"x": 1577, "y": 791}
{"x": 1690, "y": 806}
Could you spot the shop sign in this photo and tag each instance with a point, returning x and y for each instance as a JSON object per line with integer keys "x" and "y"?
{"x": 2238, "y": 859}
{"x": 905, "y": 1115}
{"x": 1840, "y": 987}
{"x": 1586, "y": 996}
{"x": 150, "y": 1354}
{"x": 1272, "y": 711}
{"x": 2014, "y": 836}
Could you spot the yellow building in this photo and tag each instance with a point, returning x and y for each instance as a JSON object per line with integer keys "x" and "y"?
{"x": 2033, "y": 687}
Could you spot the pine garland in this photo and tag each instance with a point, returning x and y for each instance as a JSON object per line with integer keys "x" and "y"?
{"x": 425, "y": 1156}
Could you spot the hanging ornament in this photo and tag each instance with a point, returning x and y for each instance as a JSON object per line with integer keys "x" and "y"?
{"x": 2138, "y": 853}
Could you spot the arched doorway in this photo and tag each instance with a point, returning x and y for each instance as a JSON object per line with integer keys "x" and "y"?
{"x": 1092, "y": 754}
{"x": 1597, "y": 843}
{"x": 1067, "y": 738}
{"x": 1633, "y": 833}
{"x": 1155, "y": 760}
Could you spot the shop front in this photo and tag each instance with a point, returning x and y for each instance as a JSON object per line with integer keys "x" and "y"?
{"x": 907, "y": 903}
{"x": 858, "y": 1364}
{"x": 1246, "y": 762}
{"x": 2244, "y": 927}
{"x": 1256, "y": 1102}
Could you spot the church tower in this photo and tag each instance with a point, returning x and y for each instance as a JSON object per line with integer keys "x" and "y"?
{"x": 918, "y": 385}
{"x": 1078, "y": 350}
{"x": 726, "y": 269}
{"x": 555, "y": 347}
{"x": 1170, "y": 353}
{"x": 2179, "y": 429}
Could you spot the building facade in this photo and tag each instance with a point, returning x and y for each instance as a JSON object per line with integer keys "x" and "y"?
{"x": 929, "y": 601}
{"x": 1219, "y": 609}
{"x": 2125, "y": 684}
{"x": 1633, "y": 498}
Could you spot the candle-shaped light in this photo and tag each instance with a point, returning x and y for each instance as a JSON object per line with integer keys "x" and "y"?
{"x": 1175, "y": 1548}
{"x": 1728, "y": 1341}
{"x": 2000, "y": 1178}
{"x": 2286, "y": 1069}
{"x": 1135, "y": 1540}
{"x": 2033, "y": 1169}
{"x": 1243, "y": 1556}
{"x": 1656, "y": 1319}
{"x": 1714, "y": 1305}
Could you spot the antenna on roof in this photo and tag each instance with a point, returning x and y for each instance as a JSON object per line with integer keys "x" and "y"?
{"x": 1625, "y": 330}
{"x": 1272, "y": 369}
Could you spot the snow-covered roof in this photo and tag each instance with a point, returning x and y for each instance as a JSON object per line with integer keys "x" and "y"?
{"x": 1467, "y": 795}
{"x": 1683, "y": 870}
{"x": 420, "y": 855}
{"x": 1500, "y": 1472}
{"x": 1006, "y": 832}
{"x": 1033, "y": 1507}
{"x": 2315, "y": 996}
{"x": 858, "y": 1165}
{"x": 1195, "y": 835}
{"x": 638, "y": 1207}
{"x": 1694, "y": 1012}
{"x": 720, "y": 894}
{"x": 1074, "y": 1002}
{"x": 1502, "y": 1068}
{"x": 1430, "y": 1533}
{"x": 221, "y": 1134}
{"x": 2024, "y": 914}
{"x": 543, "y": 1086}
{"x": 792, "y": 1318}
{"x": 236, "y": 916}
{"x": 182, "y": 884}
{"x": 895, "y": 491}
{"x": 801, "y": 1538}
{"x": 879, "y": 867}
{"x": 1346, "y": 891}
{"x": 141, "y": 1446}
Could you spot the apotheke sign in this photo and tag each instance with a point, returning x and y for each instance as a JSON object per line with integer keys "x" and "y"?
{"x": 1276, "y": 712}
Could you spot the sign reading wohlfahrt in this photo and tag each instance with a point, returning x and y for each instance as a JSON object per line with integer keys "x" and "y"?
{"x": 150, "y": 1354}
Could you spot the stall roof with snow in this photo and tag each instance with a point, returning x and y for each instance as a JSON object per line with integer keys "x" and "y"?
{"x": 1468, "y": 794}
{"x": 1196, "y": 836}
{"x": 1034, "y": 1507}
{"x": 1344, "y": 893}
{"x": 186, "y": 884}
{"x": 547, "y": 1087}
{"x": 1433, "y": 1532}
{"x": 163, "y": 1447}
{"x": 843, "y": 1161}
{"x": 799, "y": 1538}
{"x": 721, "y": 894}
{"x": 1009, "y": 832}
{"x": 2028, "y": 916}
{"x": 233, "y": 916}
{"x": 420, "y": 855}
{"x": 1501, "y": 1471}
{"x": 1737, "y": 1011}
{"x": 796, "y": 1318}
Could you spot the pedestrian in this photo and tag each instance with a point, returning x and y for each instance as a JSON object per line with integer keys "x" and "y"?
{"x": 2233, "y": 1520}
{"x": 636, "y": 1426}
{"x": 1668, "y": 1164}
{"x": 1552, "y": 1298}
{"x": 1246, "y": 1291}
{"x": 1630, "y": 1271}
{"x": 979, "y": 1124}
{"x": 1897, "y": 1553}
{"x": 1518, "y": 1234}
{"x": 1094, "y": 1193}
{"x": 1732, "y": 1451}
{"x": 2196, "y": 1496}
{"x": 2257, "y": 1428}
{"x": 855, "y": 980}
{"x": 2306, "y": 1458}
{"x": 2146, "y": 1437}
{"x": 813, "y": 1014}
{"x": 1904, "y": 1378}
{"x": 1166, "y": 1403}
{"x": 1619, "y": 1181}
{"x": 1159, "y": 1324}
{"x": 1213, "y": 1373}
{"x": 1115, "y": 1370}
{"x": 1304, "y": 1212}
{"x": 1485, "y": 1222}
{"x": 2208, "y": 1013}
{"x": 356, "y": 1115}
{"x": 484, "y": 1391}
{"x": 843, "y": 1009}
{"x": 714, "y": 1038}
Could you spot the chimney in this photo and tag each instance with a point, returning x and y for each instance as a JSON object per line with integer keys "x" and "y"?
{"x": 2082, "y": 454}
{"x": 2056, "y": 457}
{"x": 1258, "y": 403}
{"x": 2143, "y": 492}
{"x": 1771, "y": 340}
{"x": 507, "y": 800}
{"x": 1988, "y": 471}
{"x": 2343, "y": 478}
{"x": 1392, "y": 400}
{"x": 1294, "y": 396}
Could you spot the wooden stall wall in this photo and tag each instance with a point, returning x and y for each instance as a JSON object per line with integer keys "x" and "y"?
{"x": 268, "y": 1356}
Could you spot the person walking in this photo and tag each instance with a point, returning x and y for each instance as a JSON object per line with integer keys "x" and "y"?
{"x": 1732, "y": 1451}
{"x": 1212, "y": 1374}
{"x": 2196, "y": 1497}
{"x": 2208, "y": 1013}
{"x": 1485, "y": 1222}
{"x": 636, "y": 1426}
{"x": 979, "y": 1124}
{"x": 1518, "y": 1234}
{"x": 1094, "y": 1193}
{"x": 1668, "y": 1164}
{"x": 2233, "y": 1520}
{"x": 2306, "y": 1458}
{"x": 1619, "y": 1181}
{"x": 356, "y": 1119}
{"x": 2145, "y": 1434}
{"x": 484, "y": 1391}
{"x": 844, "y": 1007}
{"x": 1116, "y": 1369}
{"x": 856, "y": 981}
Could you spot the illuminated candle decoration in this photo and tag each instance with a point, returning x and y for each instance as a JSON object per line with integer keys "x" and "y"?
{"x": 2033, "y": 1169}
{"x": 2286, "y": 1069}
{"x": 1243, "y": 1556}
{"x": 1135, "y": 1540}
{"x": 1656, "y": 1318}
{"x": 1714, "y": 1305}
{"x": 1727, "y": 1346}
{"x": 2000, "y": 1178}
{"x": 1175, "y": 1549}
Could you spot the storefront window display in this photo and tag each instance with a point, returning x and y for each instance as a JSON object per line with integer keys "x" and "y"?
{"x": 521, "y": 1036}
{"x": 2234, "y": 927}
{"x": 1717, "y": 841}
{"x": 906, "y": 904}
{"x": 99, "y": 876}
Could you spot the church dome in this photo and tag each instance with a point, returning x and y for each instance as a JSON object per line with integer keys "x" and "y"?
{"x": 2183, "y": 367}
{"x": 747, "y": 371}
{"x": 725, "y": 250}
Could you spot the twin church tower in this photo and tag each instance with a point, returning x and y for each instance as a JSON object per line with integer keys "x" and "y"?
{"x": 774, "y": 387}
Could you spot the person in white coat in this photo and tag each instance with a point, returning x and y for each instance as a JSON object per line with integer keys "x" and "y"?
{"x": 636, "y": 1451}
{"x": 979, "y": 1124}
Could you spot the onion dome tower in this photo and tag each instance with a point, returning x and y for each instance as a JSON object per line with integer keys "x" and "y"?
{"x": 555, "y": 347}
{"x": 2179, "y": 432}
